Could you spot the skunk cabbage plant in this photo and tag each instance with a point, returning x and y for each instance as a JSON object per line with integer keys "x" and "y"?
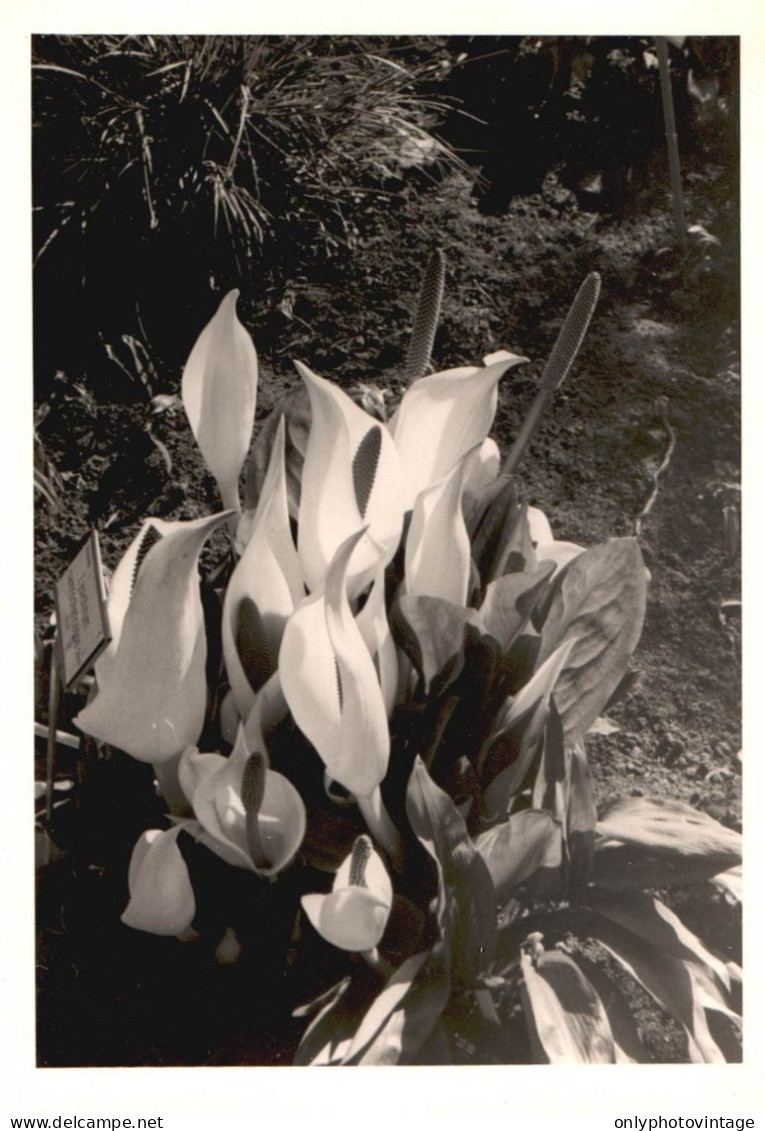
{"x": 389, "y": 744}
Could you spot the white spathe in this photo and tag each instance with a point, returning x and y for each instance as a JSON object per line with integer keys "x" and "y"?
{"x": 355, "y": 913}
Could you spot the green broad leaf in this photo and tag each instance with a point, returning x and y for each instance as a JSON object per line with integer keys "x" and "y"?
{"x": 514, "y": 851}
{"x": 403, "y": 1016}
{"x": 566, "y": 1019}
{"x": 432, "y": 632}
{"x": 467, "y": 901}
{"x": 509, "y": 602}
{"x": 501, "y": 542}
{"x": 550, "y": 789}
{"x": 437, "y": 1049}
{"x": 326, "y": 1038}
{"x": 517, "y": 553}
{"x": 685, "y": 987}
{"x": 644, "y": 843}
{"x": 252, "y": 644}
{"x": 651, "y": 920}
{"x": 579, "y": 826}
{"x": 627, "y": 1044}
{"x": 517, "y": 735}
{"x": 296, "y": 410}
{"x": 599, "y": 603}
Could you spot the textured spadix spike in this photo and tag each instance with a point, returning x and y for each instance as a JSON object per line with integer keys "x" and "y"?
{"x": 567, "y": 345}
{"x": 426, "y": 318}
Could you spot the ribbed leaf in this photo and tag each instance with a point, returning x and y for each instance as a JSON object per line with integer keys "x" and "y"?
{"x": 426, "y": 318}
{"x": 646, "y": 843}
{"x": 563, "y": 355}
{"x": 432, "y": 633}
{"x": 627, "y": 1043}
{"x": 599, "y": 603}
{"x": 566, "y": 1018}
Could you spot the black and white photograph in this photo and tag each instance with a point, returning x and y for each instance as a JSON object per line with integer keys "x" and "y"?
{"x": 386, "y": 403}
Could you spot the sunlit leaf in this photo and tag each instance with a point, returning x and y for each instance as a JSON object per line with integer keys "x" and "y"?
{"x": 443, "y": 416}
{"x": 730, "y": 883}
{"x": 324, "y": 1041}
{"x": 437, "y": 553}
{"x": 644, "y": 843}
{"x": 509, "y": 601}
{"x": 653, "y": 921}
{"x": 380, "y": 1037}
{"x": 470, "y": 913}
{"x": 621, "y": 1019}
{"x": 579, "y": 825}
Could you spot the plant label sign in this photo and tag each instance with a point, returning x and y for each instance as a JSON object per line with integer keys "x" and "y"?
{"x": 83, "y": 622}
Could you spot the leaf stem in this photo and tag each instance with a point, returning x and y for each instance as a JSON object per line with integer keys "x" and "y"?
{"x": 381, "y": 826}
